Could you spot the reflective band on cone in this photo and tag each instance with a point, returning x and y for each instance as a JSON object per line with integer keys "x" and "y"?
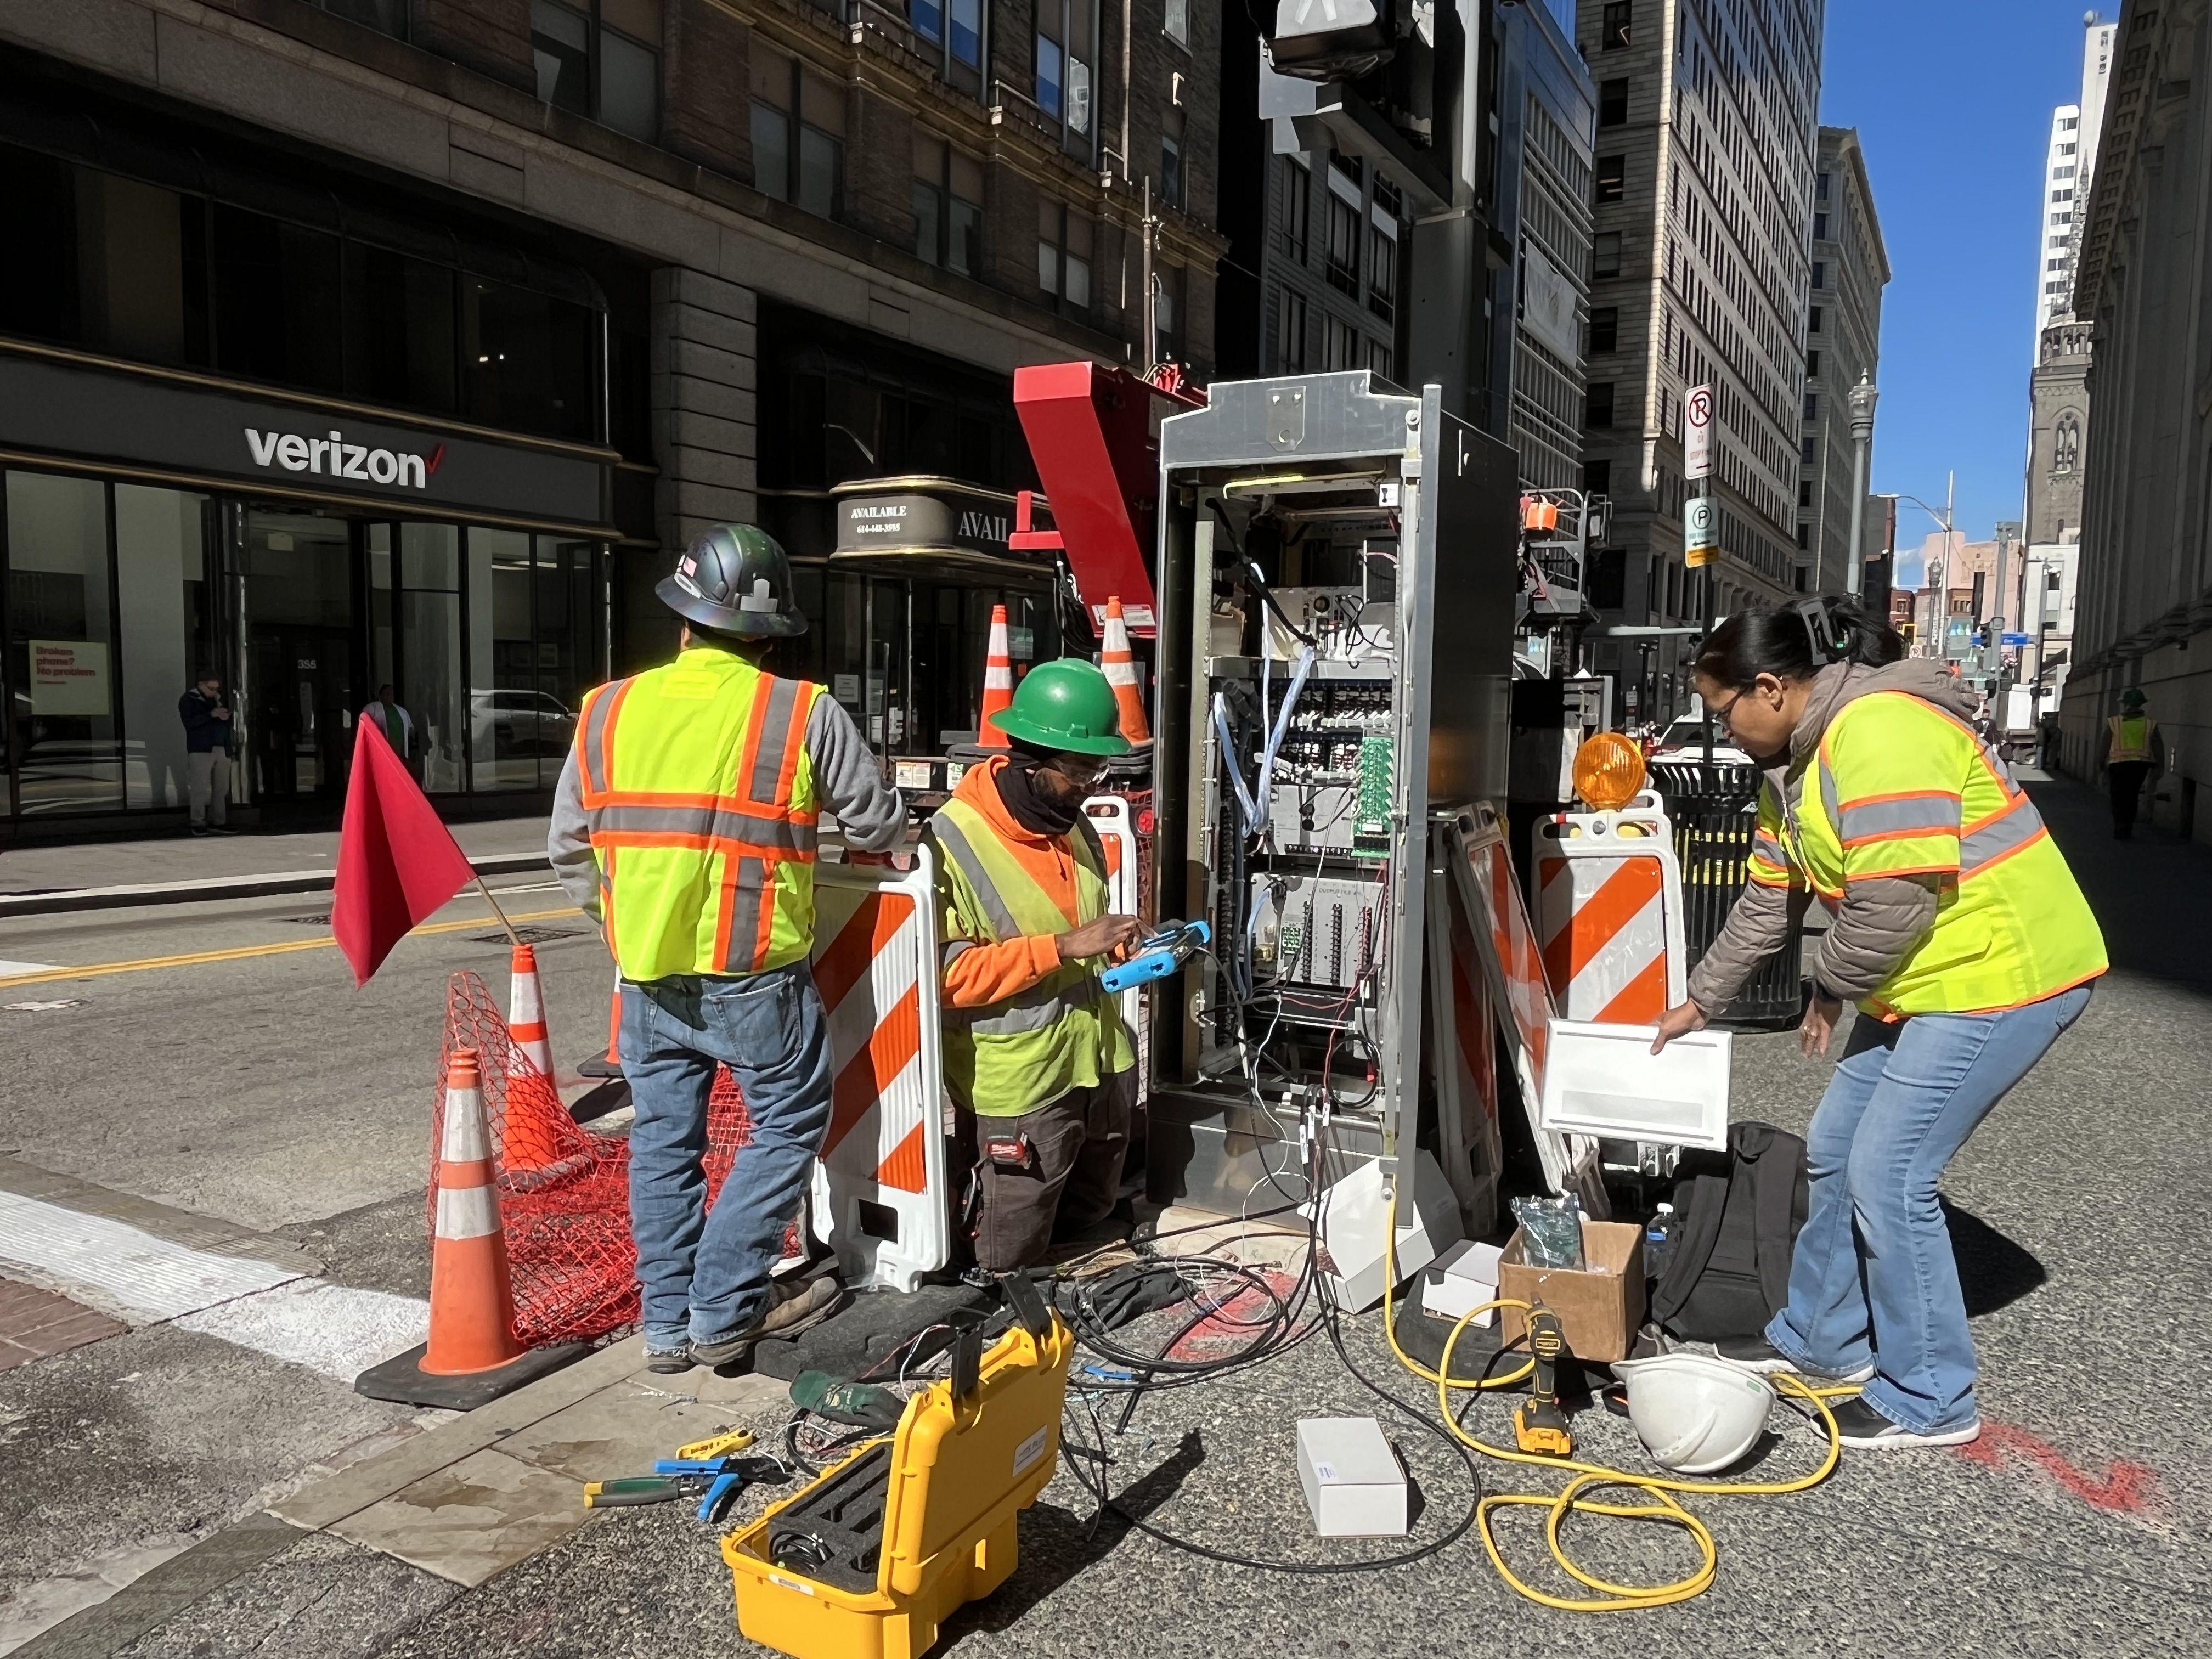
{"x": 471, "y": 1296}
{"x": 998, "y": 682}
{"x": 532, "y": 1130}
{"x": 1119, "y": 664}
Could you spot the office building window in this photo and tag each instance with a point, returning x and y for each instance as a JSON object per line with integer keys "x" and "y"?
{"x": 1344, "y": 239}
{"x": 277, "y": 292}
{"x": 1065, "y": 32}
{"x": 1614, "y": 29}
{"x": 1381, "y": 359}
{"x": 948, "y": 207}
{"x": 1065, "y": 239}
{"x": 1804, "y": 492}
{"x": 1604, "y": 329}
{"x": 1821, "y": 187}
{"x": 1597, "y": 478}
{"x": 1809, "y": 451}
{"x": 1167, "y": 314}
{"x": 1819, "y": 273}
{"x": 1297, "y": 207}
{"x": 1598, "y": 405}
{"x": 798, "y": 134}
{"x": 1171, "y": 159}
{"x": 1820, "y": 227}
{"x": 1382, "y": 251}
{"x": 1812, "y": 405}
{"x": 1605, "y": 253}
{"x": 1812, "y": 364}
{"x": 600, "y": 58}
{"x": 1175, "y": 21}
{"x": 1611, "y": 178}
{"x": 1613, "y": 103}
{"x": 385, "y": 16}
{"x": 966, "y": 45}
{"x": 1344, "y": 345}
{"x": 1290, "y": 333}
{"x": 1812, "y": 322}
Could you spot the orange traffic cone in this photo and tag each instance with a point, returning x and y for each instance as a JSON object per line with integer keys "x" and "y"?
{"x": 471, "y": 1297}
{"x": 531, "y": 1131}
{"x": 998, "y": 682}
{"x": 609, "y": 1064}
{"x": 1121, "y": 666}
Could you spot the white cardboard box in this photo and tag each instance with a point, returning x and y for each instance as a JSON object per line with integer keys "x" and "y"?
{"x": 1353, "y": 1483}
{"x": 1462, "y": 1278}
{"x": 1352, "y": 1222}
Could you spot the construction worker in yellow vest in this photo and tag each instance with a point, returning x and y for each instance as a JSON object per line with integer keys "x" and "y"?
{"x": 1961, "y": 934}
{"x": 685, "y": 824}
{"x": 1039, "y": 1065}
{"x": 2134, "y": 751}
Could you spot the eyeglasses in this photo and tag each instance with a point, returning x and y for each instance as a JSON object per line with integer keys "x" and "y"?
{"x": 1721, "y": 714}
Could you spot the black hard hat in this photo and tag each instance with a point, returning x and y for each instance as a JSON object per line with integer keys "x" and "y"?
{"x": 736, "y": 579}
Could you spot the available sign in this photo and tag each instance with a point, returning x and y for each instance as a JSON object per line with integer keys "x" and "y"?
{"x": 1698, "y": 433}
{"x": 70, "y": 677}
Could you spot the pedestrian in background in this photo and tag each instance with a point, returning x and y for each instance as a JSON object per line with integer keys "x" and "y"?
{"x": 684, "y": 822}
{"x": 2133, "y": 751}
{"x": 207, "y": 754}
{"x": 1961, "y": 934}
{"x": 395, "y": 722}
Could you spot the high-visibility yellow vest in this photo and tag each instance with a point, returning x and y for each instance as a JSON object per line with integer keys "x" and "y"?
{"x": 1899, "y": 788}
{"x": 2130, "y": 738}
{"x": 699, "y": 792}
{"x": 1065, "y": 1032}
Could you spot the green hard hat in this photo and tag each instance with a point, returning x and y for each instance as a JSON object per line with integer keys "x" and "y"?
{"x": 1067, "y": 705}
{"x": 2132, "y": 697}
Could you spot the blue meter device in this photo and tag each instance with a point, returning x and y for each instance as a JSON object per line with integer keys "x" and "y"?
{"x": 1158, "y": 956}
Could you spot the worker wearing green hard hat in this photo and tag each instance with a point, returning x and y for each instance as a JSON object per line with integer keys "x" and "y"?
{"x": 1038, "y": 1061}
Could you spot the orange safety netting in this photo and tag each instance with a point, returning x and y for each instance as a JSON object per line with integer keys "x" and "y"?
{"x": 563, "y": 1190}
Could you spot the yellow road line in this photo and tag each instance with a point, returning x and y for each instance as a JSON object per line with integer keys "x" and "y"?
{"x": 94, "y": 970}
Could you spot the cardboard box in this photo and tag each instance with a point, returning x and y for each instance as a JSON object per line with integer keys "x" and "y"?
{"x": 1353, "y": 1480}
{"x": 1462, "y": 1278}
{"x": 1600, "y": 1307}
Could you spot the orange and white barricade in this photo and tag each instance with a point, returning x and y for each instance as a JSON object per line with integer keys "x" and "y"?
{"x": 1482, "y": 869}
{"x": 1116, "y": 826}
{"x": 1466, "y": 1048}
{"x": 1609, "y": 913}
{"x": 879, "y": 1196}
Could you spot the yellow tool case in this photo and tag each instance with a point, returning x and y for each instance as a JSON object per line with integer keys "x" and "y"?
{"x": 867, "y": 1562}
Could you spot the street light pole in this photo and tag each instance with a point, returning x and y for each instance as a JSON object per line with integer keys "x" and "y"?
{"x": 1861, "y": 400}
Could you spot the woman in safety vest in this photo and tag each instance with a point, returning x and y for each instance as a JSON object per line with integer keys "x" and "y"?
{"x": 1959, "y": 932}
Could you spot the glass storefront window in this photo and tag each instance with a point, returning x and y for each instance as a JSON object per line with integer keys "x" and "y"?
{"x": 301, "y": 689}
{"x": 162, "y": 564}
{"x": 568, "y": 646}
{"x": 276, "y": 299}
{"x": 431, "y": 685}
{"x": 508, "y": 713}
{"x": 399, "y": 342}
{"x": 526, "y": 359}
{"x": 62, "y": 667}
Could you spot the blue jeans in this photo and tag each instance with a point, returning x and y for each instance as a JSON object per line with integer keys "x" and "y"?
{"x": 705, "y": 1275}
{"x": 1874, "y": 1278}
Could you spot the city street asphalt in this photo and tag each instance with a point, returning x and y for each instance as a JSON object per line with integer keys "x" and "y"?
{"x": 265, "y": 1093}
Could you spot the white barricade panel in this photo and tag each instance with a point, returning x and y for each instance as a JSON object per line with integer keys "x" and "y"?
{"x": 1609, "y": 914}
{"x": 1482, "y": 868}
{"x": 880, "y": 1196}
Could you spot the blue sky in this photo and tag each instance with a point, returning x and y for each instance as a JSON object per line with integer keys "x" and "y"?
{"x": 1952, "y": 101}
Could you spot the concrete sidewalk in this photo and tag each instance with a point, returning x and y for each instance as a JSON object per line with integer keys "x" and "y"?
{"x": 173, "y": 867}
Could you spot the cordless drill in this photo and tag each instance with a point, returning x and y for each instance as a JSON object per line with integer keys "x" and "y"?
{"x": 1539, "y": 1426}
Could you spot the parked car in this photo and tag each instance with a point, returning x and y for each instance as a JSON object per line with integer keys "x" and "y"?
{"x": 520, "y": 723}
{"x": 1685, "y": 739}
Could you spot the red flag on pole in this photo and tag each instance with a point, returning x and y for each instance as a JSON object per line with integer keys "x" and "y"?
{"x": 397, "y": 861}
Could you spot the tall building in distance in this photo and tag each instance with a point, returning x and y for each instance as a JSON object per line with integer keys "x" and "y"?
{"x": 1700, "y": 273}
{"x": 2069, "y": 163}
{"x": 1851, "y": 267}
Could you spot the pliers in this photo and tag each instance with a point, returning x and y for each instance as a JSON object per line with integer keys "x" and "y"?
{"x": 725, "y": 1477}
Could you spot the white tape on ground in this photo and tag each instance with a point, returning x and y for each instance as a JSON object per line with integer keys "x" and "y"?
{"x": 123, "y": 1272}
{"x": 331, "y": 1328}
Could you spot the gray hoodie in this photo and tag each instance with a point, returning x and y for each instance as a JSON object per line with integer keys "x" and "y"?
{"x": 871, "y": 816}
{"x": 1882, "y": 919}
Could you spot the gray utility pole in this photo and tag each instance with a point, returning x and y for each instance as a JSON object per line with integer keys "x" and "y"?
{"x": 1993, "y": 630}
{"x": 1861, "y": 399}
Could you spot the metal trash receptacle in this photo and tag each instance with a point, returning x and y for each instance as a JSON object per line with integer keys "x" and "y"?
{"x": 1715, "y": 809}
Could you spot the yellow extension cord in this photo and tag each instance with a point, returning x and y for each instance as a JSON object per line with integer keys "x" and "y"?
{"x": 1593, "y": 1477}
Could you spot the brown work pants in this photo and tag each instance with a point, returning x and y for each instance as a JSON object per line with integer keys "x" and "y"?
{"x": 1067, "y": 1184}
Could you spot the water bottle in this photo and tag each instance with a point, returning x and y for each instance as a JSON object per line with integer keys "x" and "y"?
{"x": 1659, "y": 1234}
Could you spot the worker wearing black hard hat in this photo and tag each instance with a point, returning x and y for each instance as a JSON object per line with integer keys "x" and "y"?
{"x": 684, "y": 822}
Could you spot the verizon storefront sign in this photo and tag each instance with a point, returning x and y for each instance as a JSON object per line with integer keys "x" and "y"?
{"x": 69, "y": 677}
{"x": 216, "y": 437}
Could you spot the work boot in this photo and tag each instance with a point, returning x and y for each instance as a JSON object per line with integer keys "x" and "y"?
{"x": 669, "y": 1362}
{"x": 793, "y": 1306}
{"x": 1756, "y": 1354}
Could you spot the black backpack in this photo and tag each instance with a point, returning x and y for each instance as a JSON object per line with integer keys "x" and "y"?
{"x": 1736, "y": 1224}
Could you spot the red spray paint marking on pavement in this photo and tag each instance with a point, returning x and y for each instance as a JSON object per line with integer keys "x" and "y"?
{"x": 2126, "y": 1489}
{"x": 1235, "y": 1322}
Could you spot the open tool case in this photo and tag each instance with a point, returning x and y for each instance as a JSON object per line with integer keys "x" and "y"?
{"x": 867, "y": 1562}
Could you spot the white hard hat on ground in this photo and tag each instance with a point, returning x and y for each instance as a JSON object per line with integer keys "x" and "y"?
{"x": 1695, "y": 1414}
